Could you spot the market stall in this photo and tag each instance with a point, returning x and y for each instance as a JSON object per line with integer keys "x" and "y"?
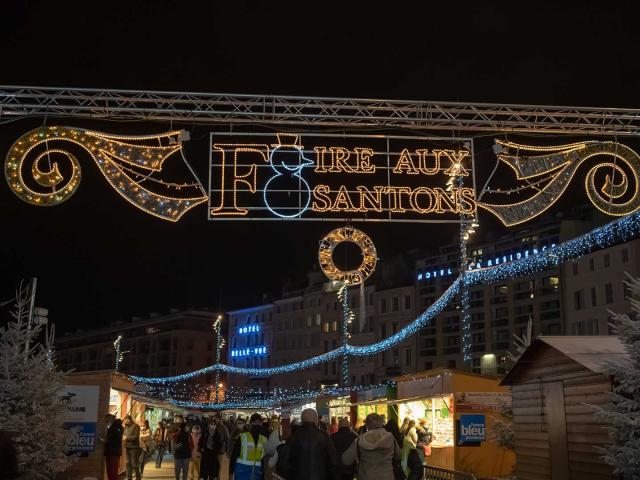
{"x": 458, "y": 409}
{"x": 92, "y": 396}
{"x": 375, "y": 400}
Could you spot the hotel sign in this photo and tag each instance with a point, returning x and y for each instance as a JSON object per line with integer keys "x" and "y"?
{"x": 315, "y": 176}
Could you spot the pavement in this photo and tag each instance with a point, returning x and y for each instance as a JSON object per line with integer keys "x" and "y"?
{"x": 166, "y": 472}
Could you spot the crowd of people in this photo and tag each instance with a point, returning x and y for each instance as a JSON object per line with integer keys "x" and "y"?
{"x": 196, "y": 444}
{"x": 256, "y": 448}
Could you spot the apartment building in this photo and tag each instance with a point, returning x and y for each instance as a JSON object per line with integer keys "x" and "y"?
{"x": 594, "y": 287}
{"x": 158, "y": 346}
{"x": 498, "y": 311}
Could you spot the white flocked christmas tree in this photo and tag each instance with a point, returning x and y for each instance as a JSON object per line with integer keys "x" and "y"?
{"x": 31, "y": 410}
{"x": 623, "y": 416}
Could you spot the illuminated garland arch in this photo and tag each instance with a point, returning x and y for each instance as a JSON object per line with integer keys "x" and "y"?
{"x": 621, "y": 230}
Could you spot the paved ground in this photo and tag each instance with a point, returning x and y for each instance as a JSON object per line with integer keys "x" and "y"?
{"x": 166, "y": 472}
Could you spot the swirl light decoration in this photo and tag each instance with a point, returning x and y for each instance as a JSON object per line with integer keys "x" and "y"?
{"x": 618, "y": 231}
{"x": 119, "y": 158}
{"x": 559, "y": 164}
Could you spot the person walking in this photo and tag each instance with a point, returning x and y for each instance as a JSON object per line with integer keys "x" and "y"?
{"x": 131, "y": 438}
{"x": 160, "y": 441}
{"x": 342, "y": 440}
{"x": 312, "y": 455}
{"x": 194, "y": 463}
{"x": 181, "y": 448}
{"x": 112, "y": 445}
{"x": 235, "y": 435}
{"x": 376, "y": 451}
{"x": 211, "y": 445}
{"x": 410, "y": 460}
{"x": 146, "y": 444}
{"x": 248, "y": 451}
{"x": 280, "y": 459}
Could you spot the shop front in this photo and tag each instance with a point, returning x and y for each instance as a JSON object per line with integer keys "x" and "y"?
{"x": 94, "y": 394}
{"x": 376, "y": 400}
{"x": 457, "y": 409}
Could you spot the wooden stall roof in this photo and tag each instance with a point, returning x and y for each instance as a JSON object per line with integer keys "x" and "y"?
{"x": 592, "y": 352}
{"x": 438, "y": 371}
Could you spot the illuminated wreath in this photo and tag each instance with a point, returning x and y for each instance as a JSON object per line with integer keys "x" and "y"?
{"x": 335, "y": 238}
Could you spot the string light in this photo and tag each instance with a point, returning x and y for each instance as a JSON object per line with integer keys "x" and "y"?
{"x": 618, "y": 231}
{"x": 560, "y": 167}
{"x": 351, "y": 235}
{"x": 256, "y": 399}
{"x": 111, "y": 153}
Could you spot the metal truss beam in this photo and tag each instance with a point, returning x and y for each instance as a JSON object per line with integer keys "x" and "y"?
{"x": 213, "y": 108}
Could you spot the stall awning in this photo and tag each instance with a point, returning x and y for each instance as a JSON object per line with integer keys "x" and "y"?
{"x": 384, "y": 401}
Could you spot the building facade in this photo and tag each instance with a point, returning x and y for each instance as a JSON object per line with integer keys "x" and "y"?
{"x": 159, "y": 346}
{"x": 594, "y": 287}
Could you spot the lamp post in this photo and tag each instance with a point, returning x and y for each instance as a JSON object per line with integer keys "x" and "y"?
{"x": 217, "y": 328}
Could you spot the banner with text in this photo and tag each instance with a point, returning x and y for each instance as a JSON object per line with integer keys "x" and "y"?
{"x": 319, "y": 176}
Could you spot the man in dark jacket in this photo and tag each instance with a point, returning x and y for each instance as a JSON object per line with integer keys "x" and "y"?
{"x": 342, "y": 440}
{"x": 312, "y": 454}
{"x": 131, "y": 437}
{"x": 182, "y": 448}
{"x": 112, "y": 445}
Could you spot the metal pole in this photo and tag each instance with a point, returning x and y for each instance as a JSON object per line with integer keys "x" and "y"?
{"x": 34, "y": 283}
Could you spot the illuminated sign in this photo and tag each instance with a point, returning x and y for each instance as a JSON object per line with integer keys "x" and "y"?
{"x": 316, "y": 176}
{"x": 249, "y": 351}
{"x": 491, "y": 262}
{"x": 248, "y": 329}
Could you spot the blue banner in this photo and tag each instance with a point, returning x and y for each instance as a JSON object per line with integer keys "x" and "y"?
{"x": 472, "y": 429}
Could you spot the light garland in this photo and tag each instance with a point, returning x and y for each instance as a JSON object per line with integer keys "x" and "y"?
{"x": 560, "y": 163}
{"x": 618, "y": 231}
{"x": 113, "y": 154}
{"x": 351, "y": 235}
{"x": 272, "y": 400}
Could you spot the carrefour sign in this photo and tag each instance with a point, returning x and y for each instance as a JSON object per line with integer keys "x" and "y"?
{"x": 249, "y": 351}
{"x": 317, "y": 176}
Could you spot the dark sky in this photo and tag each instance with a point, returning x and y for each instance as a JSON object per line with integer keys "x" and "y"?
{"x": 99, "y": 259}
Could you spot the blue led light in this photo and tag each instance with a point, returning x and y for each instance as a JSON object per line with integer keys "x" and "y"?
{"x": 618, "y": 231}
{"x": 247, "y": 329}
{"x": 258, "y": 350}
{"x": 286, "y": 174}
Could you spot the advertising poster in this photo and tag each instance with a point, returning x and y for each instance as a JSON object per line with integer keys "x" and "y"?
{"x": 81, "y": 416}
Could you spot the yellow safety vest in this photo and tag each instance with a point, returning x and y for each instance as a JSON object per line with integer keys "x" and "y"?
{"x": 250, "y": 453}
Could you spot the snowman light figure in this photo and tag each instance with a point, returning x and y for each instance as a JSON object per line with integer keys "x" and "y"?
{"x": 287, "y": 161}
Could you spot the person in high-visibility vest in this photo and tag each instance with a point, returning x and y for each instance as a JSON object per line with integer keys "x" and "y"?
{"x": 246, "y": 459}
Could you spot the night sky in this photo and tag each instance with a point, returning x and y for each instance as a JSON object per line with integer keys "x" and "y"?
{"x": 99, "y": 259}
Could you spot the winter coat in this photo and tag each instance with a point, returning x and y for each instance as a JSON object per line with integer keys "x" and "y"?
{"x": 182, "y": 443}
{"x": 342, "y": 440}
{"x": 113, "y": 440}
{"x": 375, "y": 451}
{"x": 195, "y": 440}
{"x": 416, "y": 470}
{"x": 160, "y": 436}
{"x": 218, "y": 441}
{"x": 145, "y": 439}
{"x": 312, "y": 455}
{"x": 131, "y": 436}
